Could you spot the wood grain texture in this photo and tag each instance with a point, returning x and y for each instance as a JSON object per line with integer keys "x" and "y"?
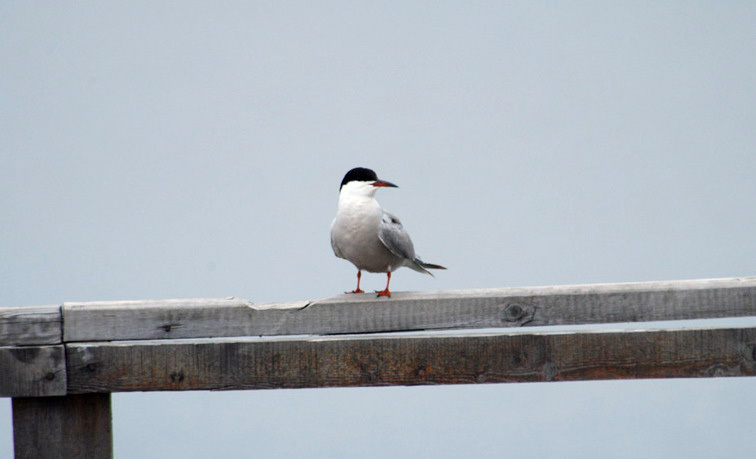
{"x": 32, "y": 371}
{"x": 410, "y": 311}
{"x": 71, "y": 427}
{"x": 233, "y": 364}
{"x": 30, "y": 325}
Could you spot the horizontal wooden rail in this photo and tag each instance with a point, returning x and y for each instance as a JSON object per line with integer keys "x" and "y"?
{"x": 32, "y": 371}
{"x": 27, "y": 325}
{"x": 233, "y": 364}
{"x": 446, "y": 310}
{"x": 36, "y": 343}
{"x": 60, "y": 363}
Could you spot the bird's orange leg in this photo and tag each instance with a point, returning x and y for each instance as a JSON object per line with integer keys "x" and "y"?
{"x": 357, "y": 290}
{"x": 386, "y": 291}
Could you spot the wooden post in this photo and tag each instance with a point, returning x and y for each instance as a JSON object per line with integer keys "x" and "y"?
{"x": 70, "y": 427}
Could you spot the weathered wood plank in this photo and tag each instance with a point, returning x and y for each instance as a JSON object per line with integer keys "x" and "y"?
{"x": 32, "y": 371}
{"x": 255, "y": 363}
{"x": 71, "y": 427}
{"x": 507, "y": 307}
{"x": 30, "y": 325}
{"x": 154, "y": 319}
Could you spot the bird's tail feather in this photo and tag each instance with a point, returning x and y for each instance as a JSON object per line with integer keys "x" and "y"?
{"x": 423, "y": 267}
{"x": 431, "y": 265}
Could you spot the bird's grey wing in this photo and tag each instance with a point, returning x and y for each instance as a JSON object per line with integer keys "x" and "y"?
{"x": 393, "y": 236}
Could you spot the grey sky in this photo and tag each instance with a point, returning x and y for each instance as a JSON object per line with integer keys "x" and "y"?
{"x": 194, "y": 149}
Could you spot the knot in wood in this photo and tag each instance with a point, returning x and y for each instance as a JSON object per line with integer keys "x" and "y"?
{"x": 549, "y": 371}
{"x": 177, "y": 376}
{"x": 513, "y": 312}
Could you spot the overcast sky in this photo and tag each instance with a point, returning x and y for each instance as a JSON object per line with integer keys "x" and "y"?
{"x": 194, "y": 149}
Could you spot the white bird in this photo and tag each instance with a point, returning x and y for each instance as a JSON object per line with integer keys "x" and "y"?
{"x": 368, "y": 236}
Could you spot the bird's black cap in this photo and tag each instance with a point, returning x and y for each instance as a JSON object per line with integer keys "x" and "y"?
{"x": 359, "y": 174}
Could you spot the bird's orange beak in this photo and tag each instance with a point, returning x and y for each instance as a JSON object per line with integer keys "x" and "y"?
{"x": 384, "y": 183}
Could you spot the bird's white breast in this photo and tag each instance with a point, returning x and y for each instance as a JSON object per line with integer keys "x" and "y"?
{"x": 354, "y": 233}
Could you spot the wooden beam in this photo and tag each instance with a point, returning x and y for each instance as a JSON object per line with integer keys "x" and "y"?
{"x": 71, "y": 427}
{"x": 408, "y": 311}
{"x": 30, "y": 325}
{"x": 32, "y": 371}
{"x": 250, "y": 363}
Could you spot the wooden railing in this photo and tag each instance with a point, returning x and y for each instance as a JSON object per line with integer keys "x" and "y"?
{"x": 60, "y": 363}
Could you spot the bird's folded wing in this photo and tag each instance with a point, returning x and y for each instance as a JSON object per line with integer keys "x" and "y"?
{"x": 393, "y": 236}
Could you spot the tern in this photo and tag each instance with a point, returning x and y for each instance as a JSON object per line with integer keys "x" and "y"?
{"x": 368, "y": 236}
